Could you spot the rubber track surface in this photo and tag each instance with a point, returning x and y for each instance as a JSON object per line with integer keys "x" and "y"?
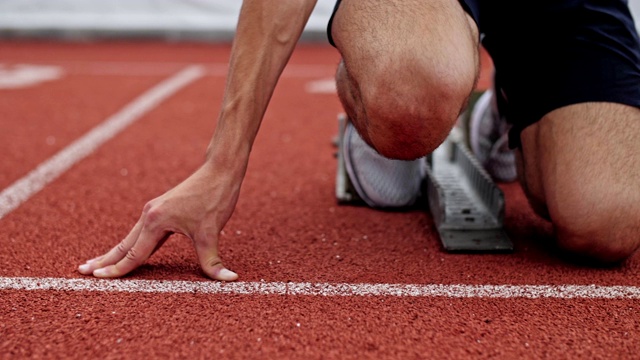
{"x": 287, "y": 228}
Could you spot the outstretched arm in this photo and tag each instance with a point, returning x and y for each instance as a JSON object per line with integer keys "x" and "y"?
{"x": 266, "y": 35}
{"x": 201, "y": 205}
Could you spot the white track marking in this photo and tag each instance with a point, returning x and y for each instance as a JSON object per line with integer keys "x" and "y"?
{"x": 324, "y": 86}
{"x": 46, "y": 172}
{"x": 26, "y": 75}
{"x": 324, "y": 289}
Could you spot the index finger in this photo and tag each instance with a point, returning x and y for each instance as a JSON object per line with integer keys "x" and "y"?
{"x": 144, "y": 246}
{"x": 115, "y": 254}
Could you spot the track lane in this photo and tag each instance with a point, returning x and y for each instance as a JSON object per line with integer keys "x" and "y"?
{"x": 49, "y": 170}
{"x": 41, "y": 120}
{"x": 287, "y": 228}
{"x": 48, "y": 324}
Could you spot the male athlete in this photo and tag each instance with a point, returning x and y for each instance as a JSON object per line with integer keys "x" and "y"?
{"x": 567, "y": 80}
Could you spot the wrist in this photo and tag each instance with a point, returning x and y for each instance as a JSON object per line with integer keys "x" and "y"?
{"x": 227, "y": 156}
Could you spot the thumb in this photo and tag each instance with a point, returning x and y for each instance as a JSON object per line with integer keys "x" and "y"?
{"x": 210, "y": 262}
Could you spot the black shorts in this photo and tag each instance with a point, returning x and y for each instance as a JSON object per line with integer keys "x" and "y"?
{"x": 553, "y": 53}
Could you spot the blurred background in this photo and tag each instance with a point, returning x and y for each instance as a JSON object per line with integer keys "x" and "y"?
{"x": 170, "y": 19}
{"x": 210, "y": 20}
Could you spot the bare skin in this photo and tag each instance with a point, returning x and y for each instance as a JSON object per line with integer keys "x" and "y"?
{"x": 201, "y": 205}
{"x": 403, "y": 91}
{"x": 581, "y": 169}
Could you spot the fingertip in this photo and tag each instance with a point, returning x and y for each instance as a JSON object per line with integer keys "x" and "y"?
{"x": 89, "y": 266}
{"x": 227, "y": 275}
{"x": 224, "y": 274}
{"x": 84, "y": 269}
{"x": 104, "y": 272}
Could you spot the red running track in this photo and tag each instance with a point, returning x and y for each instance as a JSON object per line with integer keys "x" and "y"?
{"x": 287, "y": 228}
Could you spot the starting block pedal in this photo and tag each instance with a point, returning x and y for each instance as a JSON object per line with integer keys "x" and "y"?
{"x": 466, "y": 205}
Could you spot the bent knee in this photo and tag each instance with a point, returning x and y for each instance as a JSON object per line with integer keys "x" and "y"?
{"x": 596, "y": 247}
{"x": 598, "y": 233}
{"x": 408, "y": 118}
{"x": 407, "y": 137}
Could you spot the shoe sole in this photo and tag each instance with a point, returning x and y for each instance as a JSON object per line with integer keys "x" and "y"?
{"x": 349, "y": 166}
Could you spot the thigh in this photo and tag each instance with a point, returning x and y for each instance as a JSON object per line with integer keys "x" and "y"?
{"x": 573, "y": 93}
{"x": 408, "y": 68}
{"x": 582, "y": 157}
{"x": 410, "y": 39}
{"x": 582, "y": 163}
{"x": 572, "y": 85}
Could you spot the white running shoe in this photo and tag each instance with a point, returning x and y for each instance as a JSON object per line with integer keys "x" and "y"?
{"x": 489, "y": 139}
{"x": 380, "y": 182}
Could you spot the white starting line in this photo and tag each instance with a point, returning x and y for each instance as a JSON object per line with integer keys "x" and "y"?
{"x": 324, "y": 289}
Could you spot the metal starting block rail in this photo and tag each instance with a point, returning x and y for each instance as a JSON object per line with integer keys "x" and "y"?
{"x": 466, "y": 205}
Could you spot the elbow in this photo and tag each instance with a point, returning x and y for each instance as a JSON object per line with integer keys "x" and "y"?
{"x": 284, "y": 33}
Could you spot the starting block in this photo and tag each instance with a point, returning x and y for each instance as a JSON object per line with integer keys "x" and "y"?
{"x": 466, "y": 205}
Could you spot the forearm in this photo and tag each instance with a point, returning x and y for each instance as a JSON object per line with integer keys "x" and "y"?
{"x": 266, "y": 35}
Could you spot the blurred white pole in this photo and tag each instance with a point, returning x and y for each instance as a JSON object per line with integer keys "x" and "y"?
{"x": 207, "y": 18}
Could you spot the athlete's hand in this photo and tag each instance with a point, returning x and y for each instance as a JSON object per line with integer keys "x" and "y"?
{"x": 199, "y": 207}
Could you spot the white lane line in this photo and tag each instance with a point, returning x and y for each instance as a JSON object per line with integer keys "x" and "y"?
{"x": 25, "y": 75}
{"x": 324, "y": 289}
{"x": 21, "y": 190}
{"x": 323, "y": 86}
